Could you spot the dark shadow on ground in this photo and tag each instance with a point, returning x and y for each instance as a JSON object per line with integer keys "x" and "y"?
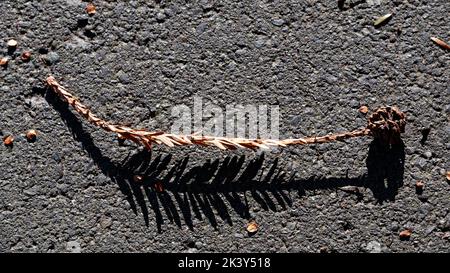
{"x": 218, "y": 187}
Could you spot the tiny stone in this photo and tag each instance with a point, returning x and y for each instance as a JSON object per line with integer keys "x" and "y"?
{"x": 123, "y": 77}
{"x": 56, "y": 157}
{"x": 105, "y": 222}
{"x": 405, "y": 234}
{"x": 198, "y": 245}
{"x": 260, "y": 43}
{"x": 31, "y": 135}
{"x": 12, "y": 43}
{"x": 354, "y": 103}
{"x": 90, "y": 9}
{"x": 428, "y": 154}
{"x": 364, "y": 109}
{"x": 169, "y": 12}
{"x": 30, "y": 192}
{"x": 73, "y": 246}
{"x": 331, "y": 79}
{"x": 4, "y": 61}
{"x": 395, "y": 227}
{"x": 429, "y": 230}
{"x": 8, "y": 140}
{"x": 207, "y": 4}
{"x": 373, "y": 247}
{"x": 421, "y": 163}
{"x": 201, "y": 28}
{"x": 51, "y": 58}
{"x": 241, "y": 51}
{"x": 160, "y": 16}
{"x": 444, "y": 224}
{"x": 291, "y": 226}
{"x": 26, "y": 55}
{"x": 63, "y": 188}
{"x": 278, "y": 22}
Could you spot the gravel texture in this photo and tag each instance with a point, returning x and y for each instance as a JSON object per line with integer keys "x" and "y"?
{"x": 72, "y": 189}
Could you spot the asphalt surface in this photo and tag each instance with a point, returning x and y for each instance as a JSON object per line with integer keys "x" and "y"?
{"x": 72, "y": 189}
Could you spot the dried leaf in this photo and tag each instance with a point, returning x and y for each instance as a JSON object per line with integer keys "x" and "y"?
{"x": 252, "y": 227}
{"x": 378, "y": 126}
{"x": 218, "y": 144}
{"x": 448, "y": 175}
{"x": 440, "y": 43}
{"x": 165, "y": 140}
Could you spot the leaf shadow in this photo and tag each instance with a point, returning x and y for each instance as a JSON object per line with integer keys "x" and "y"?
{"x": 218, "y": 188}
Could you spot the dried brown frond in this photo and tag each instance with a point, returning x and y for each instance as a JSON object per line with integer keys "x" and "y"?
{"x": 386, "y": 123}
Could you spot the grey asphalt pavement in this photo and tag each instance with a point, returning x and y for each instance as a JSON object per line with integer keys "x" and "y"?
{"x": 72, "y": 189}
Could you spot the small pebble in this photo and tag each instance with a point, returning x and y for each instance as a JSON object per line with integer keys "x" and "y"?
{"x": 30, "y": 192}
{"x": 373, "y": 247}
{"x": 405, "y": 234}
{"x": 123, "y": 77}
{"x": 363, "y": 109}
{"x": 51, "y": 58}
{"x": 26, "y": 55}
{"x": 160, "y": 16}
{"x": 278, "y": 22}
{"x": 63, "y": 188}
{"x": 4, "y": 61}
{"x": 260, "y": 43}
{"x": 419, "y": 187}
{"x": 12, "y": 43}
{"x": 444, "y": 224}
{"x": 56, "y": 157}
{"x": 105, "y": 222}
{"x": 73, "y": 246}
{"x": 8, "y": 140}
{"x": 138, "y": 178}
{"x": 90, "y": 9}
{"x": 252, "y": 227}
{"x": 429, "y": 230}
{"x": 31, "y": 135}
